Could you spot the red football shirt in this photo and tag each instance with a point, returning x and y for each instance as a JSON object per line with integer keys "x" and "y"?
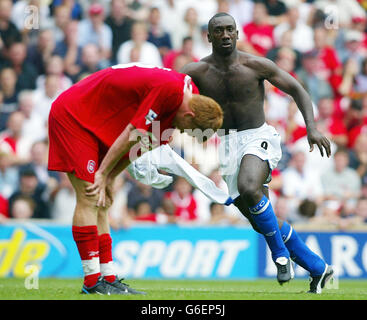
{"x": 107, "y": 101}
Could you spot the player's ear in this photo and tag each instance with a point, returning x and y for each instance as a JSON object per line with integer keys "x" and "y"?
{"x": 209, "y": 38}
{"x": 190, "y": 114}
{"x": 237, "y": 34}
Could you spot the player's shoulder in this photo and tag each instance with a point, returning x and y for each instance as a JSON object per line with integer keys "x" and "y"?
{"x": 195, "y": 68}
{"x": 261, "y": 65}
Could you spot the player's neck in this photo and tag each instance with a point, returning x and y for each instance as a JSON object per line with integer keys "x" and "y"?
{"x": 225, "y": 60}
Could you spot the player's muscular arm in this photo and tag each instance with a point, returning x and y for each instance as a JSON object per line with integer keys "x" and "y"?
{"x": 268, "y": 70}
{"x": 118, "y": 149}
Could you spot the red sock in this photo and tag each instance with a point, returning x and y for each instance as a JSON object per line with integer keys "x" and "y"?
{"x": 105, "y": 257}
{"x": 86, "y": 239}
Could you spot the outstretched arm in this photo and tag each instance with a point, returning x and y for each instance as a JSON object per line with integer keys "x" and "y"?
{"x": 268, "y": 70}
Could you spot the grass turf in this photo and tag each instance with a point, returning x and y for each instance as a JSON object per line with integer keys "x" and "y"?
{"x": 68, "y": 289}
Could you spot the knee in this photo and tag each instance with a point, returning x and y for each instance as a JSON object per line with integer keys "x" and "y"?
{"x": 87, "y": 201}
{"x": 250, "y": 191}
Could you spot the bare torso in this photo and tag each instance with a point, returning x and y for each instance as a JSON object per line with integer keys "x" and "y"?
{"x": 237, "y": 87}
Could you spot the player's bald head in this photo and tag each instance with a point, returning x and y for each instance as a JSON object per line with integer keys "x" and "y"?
{"x": 219, "y": 16}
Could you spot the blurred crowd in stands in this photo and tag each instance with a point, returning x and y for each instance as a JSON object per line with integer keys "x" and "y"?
{"x": 48, "y": 45}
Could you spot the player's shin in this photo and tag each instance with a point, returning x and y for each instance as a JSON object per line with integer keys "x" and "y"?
{"x": 86, "y": 239}
{"x": 105, "y": 245}
{"x": 106, "y": 261}
{"x": 300, "y": 253}
{"x": 264, "y": 217}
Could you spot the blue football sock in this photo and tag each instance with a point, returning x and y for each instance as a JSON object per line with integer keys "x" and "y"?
{"x": 265, "y": 219}
{"x": 300, "y": 253}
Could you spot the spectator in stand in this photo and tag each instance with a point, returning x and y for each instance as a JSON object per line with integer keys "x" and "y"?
{"x": 146, "y": 52}
{"x": 69, "y": 49}
{"x": 302, "y": 34}
{"x": 358, "y": 156}
{"x": 360, "y": 24}
{"x": 285, "y": 42}
{"x": 12, "y": 140}
{"x": 171, "y": 14}
{"x": 94, "y": 30}
{"x": 241, "y": 11}
{"x": 90, "y": 61}
{"x": 355, "y": 120}
{"x": 26, "y": 72}
{"x": 141, "y": 192}
{"x": 30, "y": 188}
{"x": 38, "y": 164}
{"x": 76, "y": 10}
{"x": 203, "y": 48}
{"x": 144, "y": 213}
{"x": 55, "y": 66}
{"x": 8, "y": 175}
{"x": 22, "y": 208}
{"x": 352, "y": 48}
{"x": 8, "y": 31}
{"x": 342, "y": 185}
{"x": 278, "y": 102}
{"x": 277, "y": 11}
{"x": 62, "y": 17}
{"x": 258, "y": 33}
{"x": 8, "y": 96}
{"x": 356, "y": 217}
{"x": 63, "y": 201}
{"x": 30, "y": 17}
{"x": 157, "y": 35}
{"x": 347, "y": 9}
{"x": 360, "y": 79}
{"x": 334, "y": 126}
{"x": 314, "y": 163}
{"x": 361, "y": 211}
{"x": 34, "y": 126}
{"x": 307, "y": 210}
{"x": 184, "y": 201}
{"x": 189, "y": 27}
{"x": 330, "y": 67}
{"x": 308, "y": 75}
{"x": 39, "y": 53}
{"x": 120, "y": 24}
{"x": 139, "y": 10}
{"x": 44, "y": 97}
{"x": 180, "y": 61}
{"x": 300, "y": 183}
{"x": 186, "y": 50}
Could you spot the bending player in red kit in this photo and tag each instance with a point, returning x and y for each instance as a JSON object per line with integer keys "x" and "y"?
{"x": 94, "y": 128}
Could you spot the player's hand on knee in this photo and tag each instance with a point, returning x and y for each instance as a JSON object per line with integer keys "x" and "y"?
{"x": 98, "y": 188}
{"x": 109, "y": 195}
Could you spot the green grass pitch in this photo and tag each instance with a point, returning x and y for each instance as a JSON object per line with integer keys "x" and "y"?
{"x": 69, "y": 289}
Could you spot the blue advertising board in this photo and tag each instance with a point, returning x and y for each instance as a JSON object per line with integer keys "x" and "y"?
{"x": 139, "y": 252}
{"x": 154, "y": 252}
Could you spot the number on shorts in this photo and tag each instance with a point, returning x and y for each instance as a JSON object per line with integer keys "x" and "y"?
{"x": 264, "y": 145}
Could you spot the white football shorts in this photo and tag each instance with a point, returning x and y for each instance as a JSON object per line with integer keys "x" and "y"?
{"x": 263, "y": 142}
